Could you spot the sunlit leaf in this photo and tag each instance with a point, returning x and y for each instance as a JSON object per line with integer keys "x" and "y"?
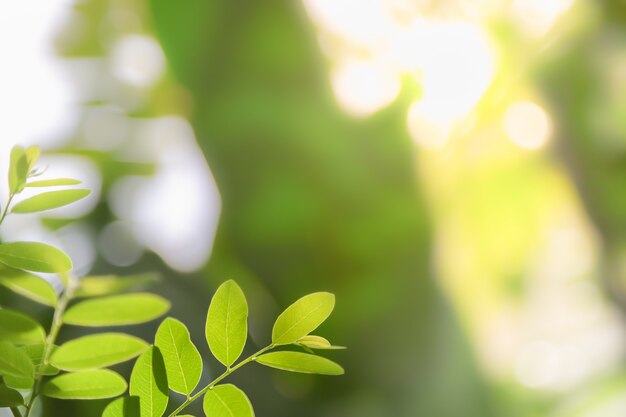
{"x": 49, "y": 200}
{"x": 302, "y": 317}
{"x": 148, "y": 381}
{"x": 29, "y": 286}
{"x": 226, "y": 324}
{"x": 18, "y": 328}
{"x": 53, "y": 183}
{"x": 35, "y": 353}
{"x": 9, "y": 397}
{"x": 96, "y": 286}
{"x": 18, "y": 169}
{"x": 317, "y": 342}
{"x": 300, "y": 362}
{"x": 183, "y": 362}
{"x": 227, "y": 401}
{"x": 34, "y": 256}
{"x": 85, "y": 385}
{"x": 117, "y": 310}
{"x": 122, "y": 407}
{"x": 97, "y": 351}
{"x": 14, "y": 362}
{"x": 32, "y": 156}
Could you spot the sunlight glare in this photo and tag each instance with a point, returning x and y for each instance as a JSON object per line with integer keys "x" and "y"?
{"x": 138, "y": 60}
{"x": 527, "y": 125}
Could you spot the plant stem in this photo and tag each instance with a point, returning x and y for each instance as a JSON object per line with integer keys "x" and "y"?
{"x": 6, "y": 208}
{"x": 16, "y": 412}
{"x": 57, "y": 322}
{"x": 219, "y": 378}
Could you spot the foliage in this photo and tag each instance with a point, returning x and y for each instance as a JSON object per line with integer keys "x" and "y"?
{"x": 31, "y": 365}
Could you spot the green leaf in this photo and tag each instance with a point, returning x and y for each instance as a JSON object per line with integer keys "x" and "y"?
{"x": 85, "y": 385}
{"x": 97, "y": 351}
{"x": 30, "y": 286}
{"x": 317, "y": 342}
{"x": 18, "y": 170}
{"x": 183, "y": 362}
{"x": 49, "y": 200}
{"x": 96, "y": 286}
{"x": 19, "y": 328}
{"x": 226, "y": 323}
{"x": 32, "y": 156}
{"x": 300, "y": 362}
{"x": 14, "y": 362}
{"x": 148, "y": 381}
{"x": 34, "y": 256}
{"x": 53, "y": 183}
{"x": 35, "y": 353}
{"x": 302, "y": 317}
{"x": 9, "y": 397}
{"x": 122, "y": 407}
{"x": 227, "y": 401}
{"x": 117, "y": 310}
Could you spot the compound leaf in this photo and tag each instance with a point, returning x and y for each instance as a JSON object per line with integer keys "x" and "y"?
{"x": 30, "y": 286}
{"x": 300, "y": 362}
{"x": 302, "y": 317}
{"x": 50, "y": 200}
{"x": 85, "y": 385}
{"x": 18, "y": 328}
{"x": 226, "y": 323}
{"x": 148, "y": 381}
{"x": 183, "y": 362}
{"x": 97, "y": 351}
{"x": 117, "y": 310}
{"x": 34, "y": 256}
{"x": 227, "y": 401}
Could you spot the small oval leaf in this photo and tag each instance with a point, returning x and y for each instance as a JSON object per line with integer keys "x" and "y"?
{"x": 117, "y": 310}
{"x": 96, "y": 286}
{"x": 18, "y": 328}
{"x": 30, "y": 286}
{"x": 122, "y": 407}
{"x": 50, "y": 200}
{"x": 97, "y": 351}
{"x": 34, "y": 256}
{"x": 148, "y": 381}
{"x": 85, "y": 385}
{"x": 226, "y": 323}
{"x": 53, "y": 183}
{"x": 183, "y": 362}
{"x": 227, "y": 401}
{"x": 300, "y": 362}
{"x": 302, "y": 317}
{"x": 32, "y": 156}
{"x": 14, "y": 362}
{"x": 10, "y": 397}
{"x": 18, "y": 169}
{"x": 317, "y": 342}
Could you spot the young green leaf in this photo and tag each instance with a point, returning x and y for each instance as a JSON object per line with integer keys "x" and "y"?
{"x": 29, "y": 286}
{"x": 122, "y": 407}
{"x": 19, "y": 328}
{"x": 96, "y": 286}
{"x": 148, "y": 381}
{"x": 97, "y": 351}
{"x": 317, "y": 342}
{"x": 35, "y": 353}
{"x": 18, "y": 169}
{"x": 300, "y": 362}
{"x": 50, "y": 200}
{"x": 9, "y": 397}
{"x": 226, "y": 323}
{"x": 302, "y": 317}
{"x": 34, "y": 256}
{"x": 227, "y": 401}
{"x": 32, "y": 156}
{"x": 117, "y": 310}
{"x": 53, "y": 183}
{"x": 183, "y": 362}
{"x": 14, "y": 362}
{"x": 85, "y": 385}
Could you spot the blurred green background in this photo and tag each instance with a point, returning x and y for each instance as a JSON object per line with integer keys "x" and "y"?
{"x": 454, "y": 170}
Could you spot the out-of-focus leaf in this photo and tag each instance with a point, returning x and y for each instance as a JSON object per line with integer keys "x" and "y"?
{"x": 97, "y": 351}
{"x": 227, "y": 401}
{"x": 85, "y": 385}
{"x": 183, "y": 362}
{"x": 18, "y": 328}
{"x": 95, "y": 286}
{"x": 14, "y": 362}
{"x": 34, "y": 256}
{"x": 148, "y": 381}
{"x": 122, "y": 407}
{"x": 317, "y": 342}
{"x": 18, "y": 169}
{"x": 32, "y": 156}
{"x": 117, "y": 310}
{"x": 300, "y": 362}
{"x": 226, "y": 323}
{"x": 9, "y": 397}
{"x": 29, "y": 286}
{"x": 53, "y": 183}
{"x": 302, "y": 317}
{"x": 35, "y": 353}
{"x": 50, "y": 200}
